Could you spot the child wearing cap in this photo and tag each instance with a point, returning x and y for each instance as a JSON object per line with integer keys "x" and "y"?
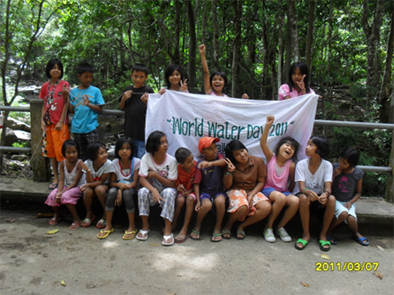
{"x": 208, "y": 187}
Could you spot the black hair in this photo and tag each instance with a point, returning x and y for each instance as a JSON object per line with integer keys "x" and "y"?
{"x": 84, "y": 68}
{"x": 51, "y": 64}
{"x": 304, "y": 71}
{"x": 140, "y": 68}
{"x": 351, "y": 155}
{"x": 294, "y": 143}
{"x": 168, "y": 72}
{"x": 93, "y": 149}
{"x": 69, "y": 143}
{"x": 221, "y": 74}
{"x": 182, "y": 154}
{"x": 323, "y": 146}
{"x": 120, "y": 142}
{"x": 232, "y": 146}
{"x": 153, "y": 143}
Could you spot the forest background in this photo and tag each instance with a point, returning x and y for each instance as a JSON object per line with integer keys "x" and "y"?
{"x": 347, "y": 45}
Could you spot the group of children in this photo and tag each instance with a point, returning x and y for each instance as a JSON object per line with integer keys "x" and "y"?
{"x": 250, "y": 189}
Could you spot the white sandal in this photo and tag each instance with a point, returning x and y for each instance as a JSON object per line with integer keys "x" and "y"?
{"x": 143, "y": 233}
{"x": 166, "y": 239}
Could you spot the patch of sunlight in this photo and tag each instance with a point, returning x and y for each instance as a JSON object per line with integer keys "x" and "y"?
{"x": 168, "y": 261}
{"x": 108, "y": 244}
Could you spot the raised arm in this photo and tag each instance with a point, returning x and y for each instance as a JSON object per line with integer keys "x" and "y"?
{"x": 263, "y": 140}
{"x": 207, "y": 85}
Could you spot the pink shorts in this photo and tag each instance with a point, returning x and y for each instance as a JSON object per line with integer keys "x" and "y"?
{"x": 191, "y": 194}
{"x": 239, "y": 197}
{"x": 69, "y": 197}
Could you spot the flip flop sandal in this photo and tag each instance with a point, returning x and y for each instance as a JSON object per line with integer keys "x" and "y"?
{"x": 54, "y": 221}
{"x": 216, "y": 235}
{"x": 53, "y": 185}
{"x": 166, "y": 240}
{"x": 303, "y": 242}
{"x": 101, "y": 223}
{"x": 126, "y": 235}
{"x": 324, "y": 243}
{"x": 242, "y": 233}
{"x": 103, "y": 234}
{"x": 74, "y": 226}
{"x": 362, "y": 241}
{"x": 197, "y": 233}
{"x": 226, "y": 232}
{"x": 144, "y": 233}
{"x": 88, "y": 221}
{"x": 332, "y": 240}
{"x": 182, "y": 240}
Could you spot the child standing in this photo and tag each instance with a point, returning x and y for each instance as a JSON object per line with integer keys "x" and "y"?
{"x": 86, "y": 103}
{"x": 158, "y": 174}
{"x": 217, "y": 82}
{"x": 98, "y": 171}
{"x": 244, "y": 180}
{"x": 71, "y": 179}
{"x": 175, "y": 79}
{"x": 123, "y": 185}
{"x": 133, "y": 102}
{"x": 314, "y": 176}
{"x": 280, "y": 182}
{"x": 184, "y": 186}
{"x": 298, "y": 82}
{"x": 346, "y": 188}
{"x": 208, "y": 187}
{"x": 55, "y": 94}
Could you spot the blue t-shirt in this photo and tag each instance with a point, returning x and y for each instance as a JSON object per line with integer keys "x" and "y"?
{"x": 85, "y": 119}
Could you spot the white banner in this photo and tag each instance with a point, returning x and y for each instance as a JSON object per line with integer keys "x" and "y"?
{"x": 185, "y": 118}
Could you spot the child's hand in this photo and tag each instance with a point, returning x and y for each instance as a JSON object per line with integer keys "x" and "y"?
{"x": 245, "y": 96}
{"x": 84, "y": 187}
{"x": 313, "y": 196}
{"x": 337, "y": 171}
{"x": 162, "y": 91}
{"x": 204, "y": 164}
{"x": 118, "y": 200}
{"x": 230, "y": 165}
{"x": 124, "y": 186}
{"x": 202, "y": 48}
{"x": 152, "y": 174}
{"x": 323, "y": 198}
{"x": 269, "y": 121}
{"x": 156, "y": 197}
{"x": 183, "y": 86}
{"x": 58, "y": 198}
{"x": 127, "y": 95}
{"x": 301, "y": 83}
{"x": 180, "y": 188}
{"x": 43, "y": 125}
{"x": 86, "y": 100}
{"x": 198, "y": 206}
{"x": 59, "y": 126}
{"x": 144, "y": 98}
{"x": 65, "y": 91}
{"x": 348, "y": 205}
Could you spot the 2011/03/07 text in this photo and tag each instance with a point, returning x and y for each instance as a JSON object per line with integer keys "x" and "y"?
{"x": 346, "y": 266}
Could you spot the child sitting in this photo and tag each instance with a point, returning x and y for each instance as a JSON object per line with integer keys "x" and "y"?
{"x": 158, "y": 174}
{"x": 346, "y": 188}
{"x": 208, "y": 187}
{"x": 98, "y": 170}
{"x": 68, "y": 191}
{"x": 85, "y": 102}
{"x": 184, "y": 186}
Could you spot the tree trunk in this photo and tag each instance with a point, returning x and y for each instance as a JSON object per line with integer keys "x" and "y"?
{"x": 236, "y": 47}
{"x": 385, "y": 88}
{"x": 192, "y": 46}
{"x": 204, "y": 22}
{"x": 280, "y": 52}
{"x": 176, "y": 55}
{"x": 292, "y": 19}
{"x": 372, "y": 34}
{"x": 215, "y": 36}
{"x": 311, "y": 28}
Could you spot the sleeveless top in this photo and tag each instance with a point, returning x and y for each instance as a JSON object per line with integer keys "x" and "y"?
{"x": 69, "y": 177}
{"x": 279, "y": 183}
{"x": 214, "y": 94}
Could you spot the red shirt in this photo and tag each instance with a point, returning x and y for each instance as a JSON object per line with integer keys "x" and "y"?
{"x": 56, "y": 106}
{"x": 186, "y": 178}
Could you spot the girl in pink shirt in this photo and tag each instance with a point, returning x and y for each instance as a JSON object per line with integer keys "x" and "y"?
{"x": 280, "y": 170}
{"x": 298, "y": 82}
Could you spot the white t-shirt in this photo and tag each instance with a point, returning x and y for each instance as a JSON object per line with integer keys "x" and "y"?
{"x": 168, "y": 169}
{"x": 125, "y": 174}
{"x": 314, "y": 182}
{"x": 106, "y": 168}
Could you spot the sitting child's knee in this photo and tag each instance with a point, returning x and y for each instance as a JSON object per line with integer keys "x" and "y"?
{"x": 190, "y": 199}
{"x": 343, "y": 216}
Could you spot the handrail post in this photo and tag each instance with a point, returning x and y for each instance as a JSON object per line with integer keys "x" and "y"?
{"x": 390, "y": 180}
{"x": 39, "y": 164}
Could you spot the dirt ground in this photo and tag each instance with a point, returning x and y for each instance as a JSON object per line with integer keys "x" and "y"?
{"x": 33, "y": 262}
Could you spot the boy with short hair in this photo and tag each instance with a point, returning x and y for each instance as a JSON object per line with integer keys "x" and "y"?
{"x": 86, "y": 102}
{"x": 184, "y": 185}
{"x": 346, "y": 187}
{"x": 133, "y": 102}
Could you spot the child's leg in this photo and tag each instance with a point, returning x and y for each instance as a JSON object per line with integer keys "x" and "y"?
{"x": 220, "y": 204}
{"x": 305, "y": 216}
{"x": 73, "y": 210}
{"x": 145, "y": 200}
{"x": 168, "y": 207}
{"x": 190, "y": 201}
{"x": 179, "y": 202}
{"x": 293, "y": 204}
{"x": 263, "y": 208}
{"x": 233, "y": 217}
{"x": 88, "y": 195}
{"x": 70, "y": 199}
{"x": 128, "y": 196}
{"x": 101, "y": 193}
{"x": 55, "y": 168}
{"x": 279, "y": 200}
{"x": 110, "y": 206}
{"x": 328, "y": 215}
{"x": 206, "y": 206}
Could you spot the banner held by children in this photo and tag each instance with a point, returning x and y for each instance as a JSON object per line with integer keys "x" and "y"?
{"x": 185, "y": 118}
